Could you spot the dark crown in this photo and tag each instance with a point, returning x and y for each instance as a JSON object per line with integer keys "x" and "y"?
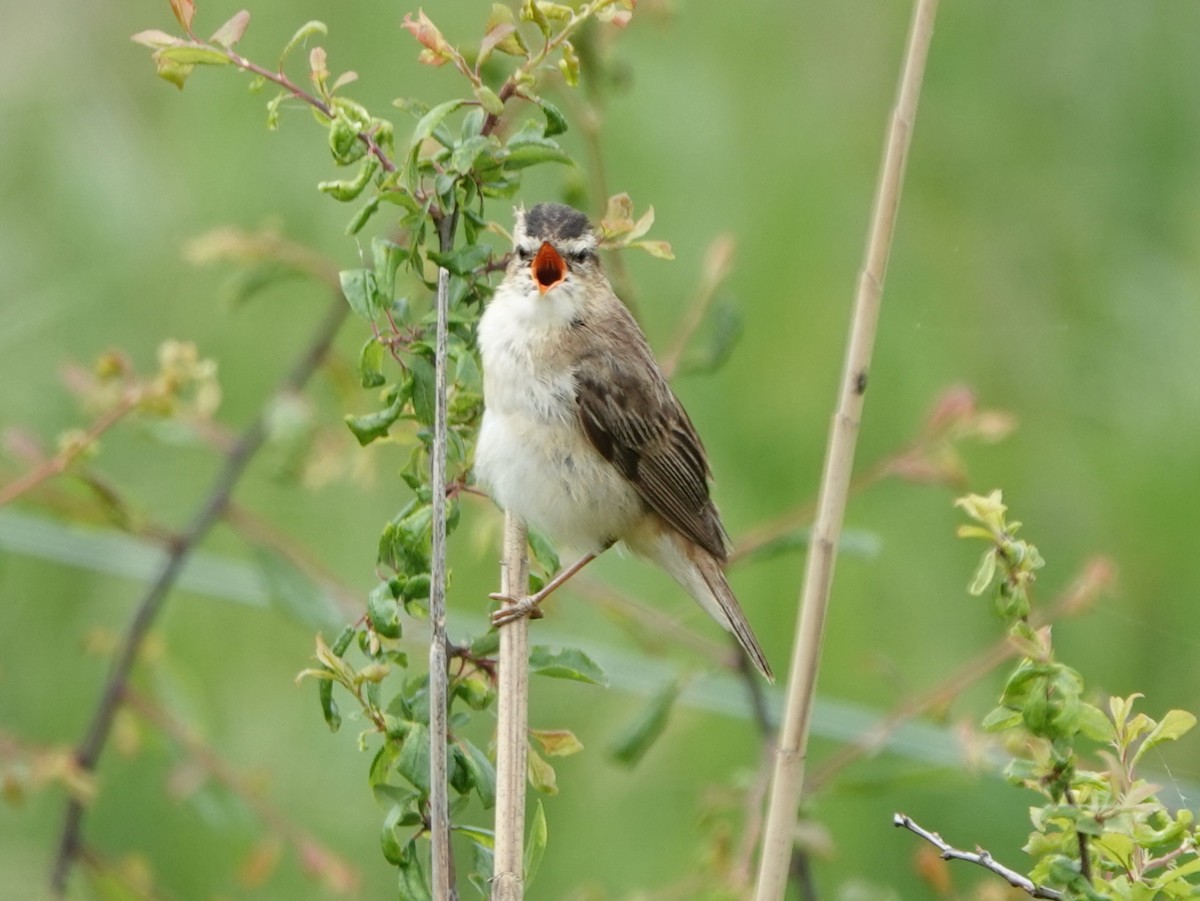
{"x": 556, "y": 220}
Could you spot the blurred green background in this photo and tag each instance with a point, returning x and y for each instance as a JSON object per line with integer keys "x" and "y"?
{"x": 1048, "y": 256}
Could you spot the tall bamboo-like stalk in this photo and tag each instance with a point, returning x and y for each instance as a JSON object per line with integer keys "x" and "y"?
{"x": 788, "y": 780}
{"x": 508, "y": 880}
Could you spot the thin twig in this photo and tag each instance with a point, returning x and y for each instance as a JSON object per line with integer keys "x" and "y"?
{"x": 58, "y": 464}
{"x": 979, "y": 856}
{"x": 790, "y": 754}
{"x": 508, "y": 879}
{"x": 251, "y": 440}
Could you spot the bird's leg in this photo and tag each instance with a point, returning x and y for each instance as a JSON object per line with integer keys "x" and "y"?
{"x": 517, "y": 608}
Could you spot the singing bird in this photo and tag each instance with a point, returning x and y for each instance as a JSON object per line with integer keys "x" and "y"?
{"x": 582, "y": 436}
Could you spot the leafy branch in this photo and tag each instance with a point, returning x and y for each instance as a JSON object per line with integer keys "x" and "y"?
{"x": 1102, "y": 833}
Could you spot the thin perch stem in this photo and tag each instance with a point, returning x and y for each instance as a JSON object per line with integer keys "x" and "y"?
{"x": 790, "y": 754}
{"x": 439, "y": 800}
{"x": 508, "y": 880}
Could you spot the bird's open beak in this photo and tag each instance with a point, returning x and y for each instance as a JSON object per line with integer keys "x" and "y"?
{"x": 549, "y": 268}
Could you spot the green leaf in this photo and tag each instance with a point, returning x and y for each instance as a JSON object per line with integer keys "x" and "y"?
{"x": 155, "y": 39}
{"x": 231, "y": 32}
{"x": 364, "y": 214}
{"x": 535, "y": 846}
{"x": 556, "y": 122}
{"x": 303, "y": 33}
{"x": 413, "y": 760}
{"x": 387, "y": 256}
{"x": 541, "y": 774}
{"x": 412, "y": 885}
{"x": 569, "y": 663}
{"x": 464, "y": 261}
{"x": 489, "y": 100}
{"x": 482, "y": 772}
{"x": 462, "y": 159}
{"x": 429, "y": 122}
{"x": 984, "y": 573}
{"x": 193, "y": 55}
{"x": 404, "y": 544}
{"x": 424, "y": 389}
{"x": 293, "y": 593}
{"x": 534, "y": 152}
{"x": 1095, "y": 725}
{"x": 383, "y": 611}
{"x": 371, "y": 426}
{"x": 329, "y": 707}
{"x": 1175, "y": 724}
{"x": 360, "y": 289}
{"x": 1001, "y": 718}
{"x": 345, "y": 190}
{"x": 569, "y": 64}
{"x": 370, "y": 363}
{"x": 543, "y": 551}
{"x": 632, "y": 744}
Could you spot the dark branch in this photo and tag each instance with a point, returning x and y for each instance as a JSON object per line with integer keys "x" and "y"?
{"x": 87, "y": 754}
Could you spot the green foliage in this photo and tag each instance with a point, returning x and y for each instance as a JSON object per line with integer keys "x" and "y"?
{"x": 1101, "y": 833}
{"x": 454, "y": 160}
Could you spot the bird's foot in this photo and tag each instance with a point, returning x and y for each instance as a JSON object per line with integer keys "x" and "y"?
{"x": 513, "y": 609}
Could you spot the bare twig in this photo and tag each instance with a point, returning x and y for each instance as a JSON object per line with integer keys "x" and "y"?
{"x": 979, "y": 856}
{"x": 439, "y": 800}
{"x": 58, "y": 464}
{"x": 251, "y": 440}
{"x": 508, "y": 880}
{"x": 790, "y": 754}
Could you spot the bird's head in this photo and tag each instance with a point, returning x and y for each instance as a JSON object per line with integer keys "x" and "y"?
{"x": 554, "y": 247}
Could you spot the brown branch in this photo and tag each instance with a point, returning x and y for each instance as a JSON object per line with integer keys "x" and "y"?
{"x": 979, "y": 857}
{"x": 58, "y": 464}
{"x": 251, "y": 440}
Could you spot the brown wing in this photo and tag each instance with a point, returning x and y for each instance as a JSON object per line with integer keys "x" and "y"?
{"x": 633, "y": 419}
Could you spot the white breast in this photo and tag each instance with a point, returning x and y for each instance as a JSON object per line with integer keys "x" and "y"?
{"x": 533, "y": 456}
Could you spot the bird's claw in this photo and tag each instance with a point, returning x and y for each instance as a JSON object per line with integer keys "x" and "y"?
{"x": 513, "y": 609}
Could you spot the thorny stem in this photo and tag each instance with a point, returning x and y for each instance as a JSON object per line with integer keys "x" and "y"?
{"x": 251, "y": 440}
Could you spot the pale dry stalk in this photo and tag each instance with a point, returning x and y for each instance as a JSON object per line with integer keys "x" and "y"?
{"x": 508, "y": 879}
{"x": 788, "y": 779}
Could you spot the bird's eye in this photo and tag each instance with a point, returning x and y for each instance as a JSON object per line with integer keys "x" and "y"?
{"x": 579, "y": 256}
{"x": 524, "y": 254}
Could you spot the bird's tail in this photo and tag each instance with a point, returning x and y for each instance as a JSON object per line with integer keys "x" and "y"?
{"x": 701, "y": 574}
